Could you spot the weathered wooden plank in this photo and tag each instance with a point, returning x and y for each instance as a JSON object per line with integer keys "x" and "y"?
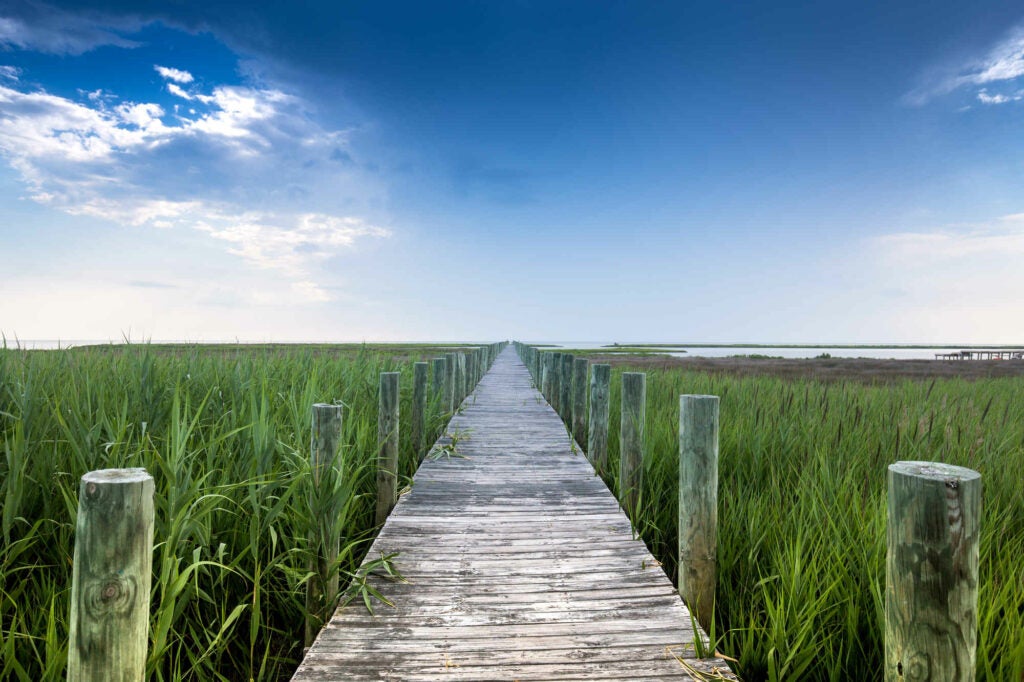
{"x": 520, "y": 563}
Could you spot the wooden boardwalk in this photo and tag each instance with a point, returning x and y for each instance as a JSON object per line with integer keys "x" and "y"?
{"x": 521, "y": 566}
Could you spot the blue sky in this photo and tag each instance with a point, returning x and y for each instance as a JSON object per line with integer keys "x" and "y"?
{"x": 616, "y": 171}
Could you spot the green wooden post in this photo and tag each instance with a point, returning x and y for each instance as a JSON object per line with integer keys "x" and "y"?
{"x": 545, "y": 375}
{"x": 698, "y": 503}
{"x": 597, "y": 436}
{"x": 387, "y": 440}
{"x": 565, "y": 399}
{"x": 419, "y": 409}
{"x": 579, "y": 399}
{"x": 325, "y": 468}
{"x": 631, "y": 440}
{"x": 931, "y": 572}
{"x": 111, "y": 576}
{"x": 438, "y": 383}
{"x": 556, "y": 380}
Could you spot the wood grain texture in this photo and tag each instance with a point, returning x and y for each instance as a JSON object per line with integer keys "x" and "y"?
{"x": 387, "y": 441}
{"x": 698, "y": 503}
{"x": 579, "y": 399}
{"x": 520, "y": 566}
{"x": 325, "y": 469}
{"x": 419, "y": 408}
{"x": 931, "y": 572}
{"x": 111, "y": 577}
{"x": 597, "y": 433}
{"x": 565, "y": 397}
{"x": 631, "y": 439}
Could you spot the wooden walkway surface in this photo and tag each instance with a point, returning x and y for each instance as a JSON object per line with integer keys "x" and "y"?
{"x": 520, "y": 564}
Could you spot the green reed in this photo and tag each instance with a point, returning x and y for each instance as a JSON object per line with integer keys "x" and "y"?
{"x": 226, "y": 436}
{"x": 802, "y": 486}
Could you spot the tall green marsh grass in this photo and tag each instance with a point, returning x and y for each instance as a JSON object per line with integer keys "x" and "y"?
{"x": 226, "y": 436}
{"x": 802, "y": 486}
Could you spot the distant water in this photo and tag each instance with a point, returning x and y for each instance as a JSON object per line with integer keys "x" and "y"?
{"x": 883, "y": 353}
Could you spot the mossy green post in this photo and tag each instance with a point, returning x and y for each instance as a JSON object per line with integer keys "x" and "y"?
{"x": 387, "y": 440}
{"x": 631, "y": 440}
{"x": 579, "y": 399}
{"x": 111, "y": 577}
{"x": 545, "y": 375}
{"x": 931, "y": 572}
{"x": 450, "y": 403}
{"x": 597, "y": 435}
{"x": 438, "y": 383}
{"x": 565, "y": 400}
{"x": 556, "y": 381}
{"x": 698, "y": 503}
{"x": 325, "y": 468}
{"x": 419, "y": 408}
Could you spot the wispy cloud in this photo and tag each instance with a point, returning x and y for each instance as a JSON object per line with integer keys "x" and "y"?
{"x": 1000, "y": 238}
{"x": 229, "y": 167}
{"x": 40, "y": 27}
{"x": 1000, "y": 66}
{"x": 176, "y": 75}
{"x": 11, "y": 73}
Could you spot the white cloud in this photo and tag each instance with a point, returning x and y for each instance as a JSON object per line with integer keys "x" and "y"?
{"x": 1001, "y": 238}
{"x": 232, "y": 170}
{"x": 176, "y": 75}
{"x": 10, "y": 73}
{"x": 177, "y": 91}
{"x": 985, "y": 98}
{"x": 1002, "y": 64}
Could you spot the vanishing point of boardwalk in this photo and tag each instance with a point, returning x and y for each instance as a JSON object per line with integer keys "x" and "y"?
{"x": 521, "y": 566}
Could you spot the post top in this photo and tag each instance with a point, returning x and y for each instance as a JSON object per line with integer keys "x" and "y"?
{"x": 137, "y": 475}
{"x": 935, "y": 471}
{"x": 696, "y": 396}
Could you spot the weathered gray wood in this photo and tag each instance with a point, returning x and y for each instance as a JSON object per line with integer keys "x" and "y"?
{"x": 521, "y": 565}
{"x": 450, "y": 382}
{"x": 931, "y": 572}
{"x": 556, "y": 382}
{"x": 545, "y": 378}
{"x": 698, "y": 503}
{"x": 631, "y": 440}
{"x": 419, "y": 409}
{"x": 565, "y": 398}
{"x": 439, "y": 383}
{"x": 325, "y": 469}
{"x": 111, "y": 577}
{"x": 579, "y": 399}
{"x": 387, "y": 440}
{"x": 460, "y": 378}
{"x": 597, "y": 435}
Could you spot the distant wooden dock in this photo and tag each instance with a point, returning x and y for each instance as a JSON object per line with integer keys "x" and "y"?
{"x": 521, "y": 566}
{"x": 982, "y": 354}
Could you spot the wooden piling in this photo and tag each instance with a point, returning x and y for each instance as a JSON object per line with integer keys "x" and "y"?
{"x": 419, "y": 409}
{"x": 631, "y": 440}
{"x": 597, "y": 436}
{"x": 931, "y": 572}
{"x": 387, "y": 440}
{"x": 579, "y": 399}
{"x": 556, "y": 381}
{"x": 111, "y": 576}
{"x": 325, "y": 469}
{"x": 450, "y": 403}
{"x": 545, "y": 375}
{"x": 565, "y": 399}
{"x": 698, "y": 503}
{"x": 440, "y": 373}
